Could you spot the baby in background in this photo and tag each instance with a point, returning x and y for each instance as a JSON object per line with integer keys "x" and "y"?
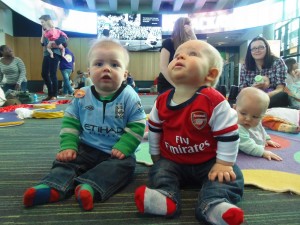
{"x": 252, "y": 103}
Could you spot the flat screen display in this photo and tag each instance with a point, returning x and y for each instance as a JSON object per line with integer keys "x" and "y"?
{"x": 137, "y": 32}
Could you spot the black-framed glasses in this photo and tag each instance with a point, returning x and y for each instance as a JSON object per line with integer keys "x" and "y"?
{"x": 259, "y": 48}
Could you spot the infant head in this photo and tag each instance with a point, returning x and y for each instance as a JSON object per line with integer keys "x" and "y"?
{"x": 196, "y": 63}
{"x": 107, "y": 60}
{"x": 251, "y": 105}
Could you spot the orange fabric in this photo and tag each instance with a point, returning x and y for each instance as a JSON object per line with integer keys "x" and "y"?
{"x": 278, "y": 124}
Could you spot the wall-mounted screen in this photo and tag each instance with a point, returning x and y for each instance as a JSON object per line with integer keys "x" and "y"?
{"x": 137, "y": 32}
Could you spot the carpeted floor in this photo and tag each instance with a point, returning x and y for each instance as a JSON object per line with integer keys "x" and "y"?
{"x": 26, "y": 154}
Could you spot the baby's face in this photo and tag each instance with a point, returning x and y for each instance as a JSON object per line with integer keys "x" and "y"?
{"x": 249, "y": 113}
{"x": 107, "y": 68}
{"x": 190, "y": 64}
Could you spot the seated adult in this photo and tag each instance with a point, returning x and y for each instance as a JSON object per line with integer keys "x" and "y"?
{"x": 261, "y": 61}
{"x": 14, "y": 70}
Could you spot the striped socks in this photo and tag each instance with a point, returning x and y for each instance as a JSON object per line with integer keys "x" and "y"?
{"x": 84, "y": 194}
{"x": 153, "y": 202}
{"x": 39, "y": 195}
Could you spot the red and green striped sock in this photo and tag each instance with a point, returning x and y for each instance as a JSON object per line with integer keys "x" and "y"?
{"x": 84, "y": 194}
{"x": 39, "y": 195}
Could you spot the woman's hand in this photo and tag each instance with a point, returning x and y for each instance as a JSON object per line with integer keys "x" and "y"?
{"x": 264, "y": 85}
{"x": 188, "y": 29}
{"x": 17, "y": 87}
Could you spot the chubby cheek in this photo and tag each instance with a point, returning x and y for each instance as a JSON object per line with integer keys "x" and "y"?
{"x": 255, "y": 123}
{"x": 169, "y": 67}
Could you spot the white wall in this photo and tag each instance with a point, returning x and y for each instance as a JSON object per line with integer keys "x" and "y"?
{"x": 6, "y": 25}
{"x": 243, "y": 51}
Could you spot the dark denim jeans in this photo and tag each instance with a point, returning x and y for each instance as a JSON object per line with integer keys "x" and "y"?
{"x": 49, "y": 69}
{"x": 23, "y": 86}
{"x": 67, "y": 88}
{"x": 105, "y": 174}
{"x": 168, "y": 177}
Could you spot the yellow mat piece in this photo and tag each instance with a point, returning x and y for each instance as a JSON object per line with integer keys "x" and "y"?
{"x": 10, "y": 124}
{"x": 44, "y": 106}
{"x": 10, "y": 119}
{"x": 273, "y": 180}
{"x": 47, "y": 114}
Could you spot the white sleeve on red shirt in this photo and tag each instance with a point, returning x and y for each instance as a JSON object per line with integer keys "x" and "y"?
{"x": 224, "y": 124}
{"x": 154, "y": 137}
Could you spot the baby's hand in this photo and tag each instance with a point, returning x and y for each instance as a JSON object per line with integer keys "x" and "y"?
{"x": 272, "y": 144}
{"x": 66, "y": 155}
{"x": 115, "y": 153}
{"x": 270, "y": 155}
{"x": 221, "y": 172}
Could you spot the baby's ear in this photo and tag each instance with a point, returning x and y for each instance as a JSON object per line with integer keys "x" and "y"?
{"x": 125, "y": 74}
{"x": 212, "y": 75}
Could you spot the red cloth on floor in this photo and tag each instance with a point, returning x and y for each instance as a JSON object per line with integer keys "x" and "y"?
{"x": 11, "y": 108}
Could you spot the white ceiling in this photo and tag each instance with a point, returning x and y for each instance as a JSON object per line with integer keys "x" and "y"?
{"x": 150, "y": 6}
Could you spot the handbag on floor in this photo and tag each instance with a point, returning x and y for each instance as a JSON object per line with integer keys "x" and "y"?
{"x": 25, "y": 97}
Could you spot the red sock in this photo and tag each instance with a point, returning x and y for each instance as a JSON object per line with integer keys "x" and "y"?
{"x": 139, "y": 198}
{"x": 233, "y": 216}
{"x": 84, "y": 197}
{"x": 39, "y": 195}
{"x": 153, "y": 202}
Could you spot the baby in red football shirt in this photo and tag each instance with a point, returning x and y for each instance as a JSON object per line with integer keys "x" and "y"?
{"x": 193, "y": 136}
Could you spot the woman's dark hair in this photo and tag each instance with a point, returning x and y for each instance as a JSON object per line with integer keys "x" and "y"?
{"x": 289, "y": 63}
{"x": 2, "y": 47}
{"x": 268, "y": 60}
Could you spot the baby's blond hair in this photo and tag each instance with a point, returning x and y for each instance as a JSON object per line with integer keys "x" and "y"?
{"x": 257, "y": 96}
{"x": 215, "y": 61}
{"x": 108, "y": 42}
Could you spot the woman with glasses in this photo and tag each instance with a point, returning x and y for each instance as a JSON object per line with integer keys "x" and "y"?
{"x": 272, "y": 70}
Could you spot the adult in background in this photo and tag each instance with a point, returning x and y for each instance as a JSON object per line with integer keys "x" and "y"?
{"x": 130, "y": 81}
{"x": 182, "y": 32}
{"x": 261, "y": 61}
{"x": 66, "y": 67}
{"x": 14, "y": 70}
{"x": 49, "y": 65}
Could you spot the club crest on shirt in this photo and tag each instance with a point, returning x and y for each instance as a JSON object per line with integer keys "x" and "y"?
{"x": 119, "y": 111}
{"x": 199, "y": 119}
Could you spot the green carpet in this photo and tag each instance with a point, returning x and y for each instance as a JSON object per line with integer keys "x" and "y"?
{"x": 26, "y": 154}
